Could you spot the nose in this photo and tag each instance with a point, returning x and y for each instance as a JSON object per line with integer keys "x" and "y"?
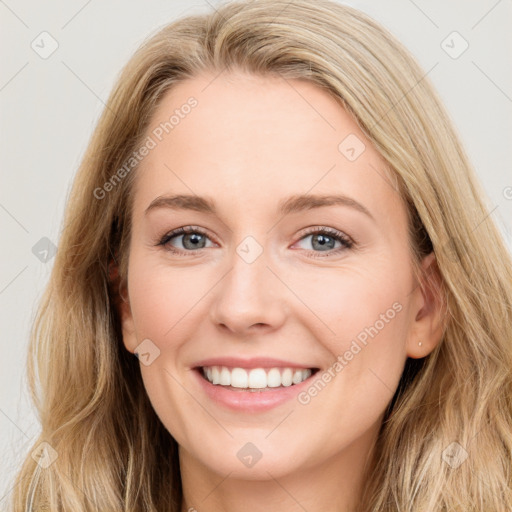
{"x": 249, "y": 298}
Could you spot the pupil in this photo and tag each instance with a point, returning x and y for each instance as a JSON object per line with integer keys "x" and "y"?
{"x": 323, "y": 241}
{"x": 193, "y": 238}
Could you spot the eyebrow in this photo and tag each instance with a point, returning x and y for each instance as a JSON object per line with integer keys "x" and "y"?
{"x": 293, "y": 204}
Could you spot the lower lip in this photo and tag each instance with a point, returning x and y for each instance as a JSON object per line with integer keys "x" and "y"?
{"x": 250, "y": 401}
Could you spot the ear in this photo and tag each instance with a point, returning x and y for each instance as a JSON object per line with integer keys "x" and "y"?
{"x": 430, "y": 314}
{"x": 122, "y": 304}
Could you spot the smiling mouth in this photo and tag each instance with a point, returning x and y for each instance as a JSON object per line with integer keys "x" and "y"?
{"x": 255, "y": 379}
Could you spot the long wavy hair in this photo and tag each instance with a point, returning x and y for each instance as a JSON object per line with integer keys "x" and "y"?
{"x": 113, "y": 453}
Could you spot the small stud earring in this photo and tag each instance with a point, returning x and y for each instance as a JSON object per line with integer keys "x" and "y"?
{"x": 420, "y": 343}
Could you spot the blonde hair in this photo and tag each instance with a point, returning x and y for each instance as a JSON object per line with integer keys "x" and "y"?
{"x": 113, "y": 451}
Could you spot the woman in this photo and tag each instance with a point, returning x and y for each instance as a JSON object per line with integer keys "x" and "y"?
{"x": 278, "y": 285}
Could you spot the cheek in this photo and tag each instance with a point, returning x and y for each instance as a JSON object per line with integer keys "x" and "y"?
{"x": 364, "y": 328}
{"x": 162, "y": 302}
{"x": 349, "y": 304}
{"x": 170, "y": 400}
{"x": 163, "y": 299}
{"x": 367, "y": 359}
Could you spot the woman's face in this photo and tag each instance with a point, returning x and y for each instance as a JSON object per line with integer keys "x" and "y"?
{"x": 296, "y": 261}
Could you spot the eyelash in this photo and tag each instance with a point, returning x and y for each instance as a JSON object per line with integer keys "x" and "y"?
{"x": 346, "y": 242}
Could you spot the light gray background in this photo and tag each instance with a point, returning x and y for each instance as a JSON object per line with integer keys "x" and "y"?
{"x": 50, "y": 106}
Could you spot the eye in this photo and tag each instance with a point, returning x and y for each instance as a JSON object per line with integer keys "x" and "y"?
{"x": 192, "y": 239}
{"x": 323, "y": 240}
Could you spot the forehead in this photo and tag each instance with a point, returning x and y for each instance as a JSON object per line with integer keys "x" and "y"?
{"x": 250, "y": 139}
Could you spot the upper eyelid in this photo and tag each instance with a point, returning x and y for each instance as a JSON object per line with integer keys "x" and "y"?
{"x": 309, "y": 231}
{"x": 185, "y": 230}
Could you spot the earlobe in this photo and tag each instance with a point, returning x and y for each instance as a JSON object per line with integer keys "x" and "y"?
{"x": 122, "y": 305}
{"x": 430, "y": 319}
{"x": 127, "y": 323}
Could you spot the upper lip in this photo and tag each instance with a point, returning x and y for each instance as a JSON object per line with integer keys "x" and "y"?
{"x": 253, "y": 362}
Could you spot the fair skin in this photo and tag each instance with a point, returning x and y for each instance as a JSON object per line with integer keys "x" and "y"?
{"x": 248, "y": 145}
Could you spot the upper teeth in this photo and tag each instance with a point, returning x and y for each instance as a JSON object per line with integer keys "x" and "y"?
{"x": 255, "y": 378}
